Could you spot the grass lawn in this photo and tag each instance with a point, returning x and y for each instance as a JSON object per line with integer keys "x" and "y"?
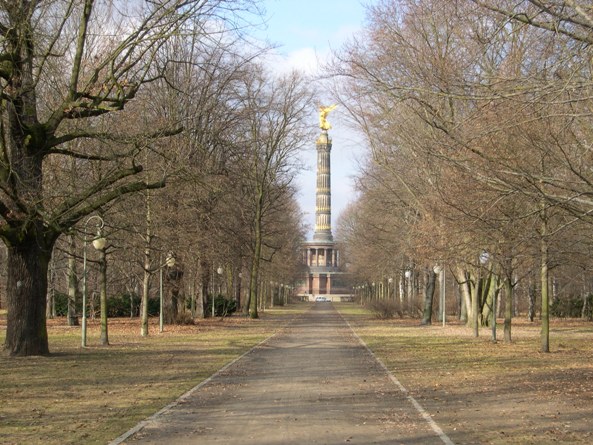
{"x": 93, "y": 395}
{"x": 485, "y": 393}
{"x": 477, "y": 392}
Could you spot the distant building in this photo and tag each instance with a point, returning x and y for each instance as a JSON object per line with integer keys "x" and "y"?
{"x": 323, "y": 276}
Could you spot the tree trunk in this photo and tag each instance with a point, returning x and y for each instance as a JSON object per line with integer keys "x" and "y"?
{"x": 463, "y": 279}
{"x": 414, "y": 291}
{"x": 145, "y": 290}
{"x": 461, "y": 307}
{"x": 72, "y": 283}
{"x": 192, "y": 297}
{"x": 487, "y": 306}
{"x": 586, "y": 311}
{"x": 253, "y": 288}
{"x": 26, "y": 331}
{"x": 174, "y": 307}
{"x": 476, "y": 306}
{"x": 531, "y": 291}
{"x": 147, "y": 264}
{"x": 508, "y": 308}
{"x": 495, "y": 299}
{"x": 555, "y": 289}
{"x": 171, "y": 309}
{"x": 401, "y": 289}
{"x": 238, "y": 291}
{"x": 169, "y": 304}
{"x": 201, "y": 298}
{"x": 428, "y": 296}
{"x": 50, "y": 311}
{"x": 545, "y": 329}
{"x": 247, "y": 304}
{"x": 205, "y": 267}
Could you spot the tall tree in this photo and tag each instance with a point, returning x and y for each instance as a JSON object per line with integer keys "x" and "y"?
{"x": 275, "y": 114}
{"x": 477, "y": 95}
{"x": 67, "y": 68}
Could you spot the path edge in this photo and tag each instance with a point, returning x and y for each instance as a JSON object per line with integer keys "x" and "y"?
{"x": 435, "y": 427}
{"x": 120, "y": 439}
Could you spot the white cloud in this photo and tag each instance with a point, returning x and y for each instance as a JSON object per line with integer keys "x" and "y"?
{"x": 304, "y": 59}
{"x": 326, "y": 26}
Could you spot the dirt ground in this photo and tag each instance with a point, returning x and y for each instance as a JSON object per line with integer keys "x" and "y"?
{"x": 313, "y": 383}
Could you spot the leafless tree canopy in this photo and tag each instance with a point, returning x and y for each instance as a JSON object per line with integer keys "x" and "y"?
{"x": 478, "y": 116}
{"x": 106, "y": 102}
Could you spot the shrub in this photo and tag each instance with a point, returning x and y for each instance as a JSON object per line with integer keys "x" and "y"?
{"x": 154, "y": 306}
{"x": 383, "y": 308}
{"x": 184, "y": 318}
{"x": 222, "y": 306}
{"x": 119, "y": 305}
{"x": 278, "y": 301}
{"x": 572, "y": 307}
{"x": 61, "y": 304}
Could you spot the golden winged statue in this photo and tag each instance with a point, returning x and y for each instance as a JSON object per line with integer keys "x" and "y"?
{"x": 323, "y": 112}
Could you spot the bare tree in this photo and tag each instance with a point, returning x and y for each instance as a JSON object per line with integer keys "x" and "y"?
{"x": 491, "y": 114}
{"x": 275, "y": 113}
{"x": 67, "y": 69}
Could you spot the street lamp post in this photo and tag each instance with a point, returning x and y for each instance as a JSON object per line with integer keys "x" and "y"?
{"x": 99, "y": 244}
{"x": 273, "y": 286}
{"x": 365, "y": 293}
{"x": 219, "y": 271}
{"x": 238, "y": 294}
{"x": 279, "y": 287}
{"x": 408, "y": 287}
{"x": 443, "y": 296}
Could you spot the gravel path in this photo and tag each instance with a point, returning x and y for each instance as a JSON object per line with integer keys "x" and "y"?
{"x": 313, "y": 383}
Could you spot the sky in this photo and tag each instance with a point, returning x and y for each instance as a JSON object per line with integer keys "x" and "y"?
{"x": 306, "y": 31}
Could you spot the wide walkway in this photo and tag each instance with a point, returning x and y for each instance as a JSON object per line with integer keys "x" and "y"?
{"x": 313, "y": 383}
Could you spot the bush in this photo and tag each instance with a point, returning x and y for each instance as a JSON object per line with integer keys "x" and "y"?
{"x": 154, "y": 306}
{"x": 61, "y": 303}
{"x": 184, "y": 318}
{"x": 278, "y": 301}
{"x": 222, "y": 306}
{"x": 119, "y": 305}
{"x": 383, "y": 308}
{"x": 572, "y": 307}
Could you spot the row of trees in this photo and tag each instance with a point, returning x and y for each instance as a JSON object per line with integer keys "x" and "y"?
{"x": 103, "y": 105}
{"x": 478, "y": 116}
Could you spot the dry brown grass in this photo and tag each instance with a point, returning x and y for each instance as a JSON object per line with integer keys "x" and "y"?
{"x": 92, "y": 395}
{"x": 486, "y": 393}
{"x": 478, "y": 392}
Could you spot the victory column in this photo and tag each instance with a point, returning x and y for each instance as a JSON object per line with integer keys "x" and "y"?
{"x": 321, "y": 255}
